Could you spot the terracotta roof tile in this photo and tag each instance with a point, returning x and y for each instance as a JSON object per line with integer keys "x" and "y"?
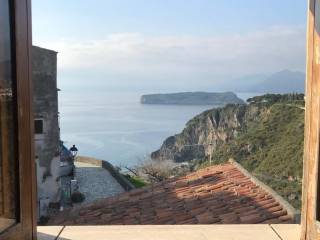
{"x": 219, "y": 194}
{"x": 252, "y": 218}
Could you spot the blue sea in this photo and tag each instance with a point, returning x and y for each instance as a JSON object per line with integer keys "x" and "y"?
{"x": 117, "y": 128}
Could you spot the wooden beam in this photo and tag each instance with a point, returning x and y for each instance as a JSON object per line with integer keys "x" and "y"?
{"x": 312, "y": 125}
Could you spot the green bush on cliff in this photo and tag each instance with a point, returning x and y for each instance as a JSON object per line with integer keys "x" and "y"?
{"x": 271, "y": 148}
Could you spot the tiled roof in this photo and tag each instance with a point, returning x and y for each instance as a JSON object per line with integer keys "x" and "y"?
{"x": 219, "y": 194}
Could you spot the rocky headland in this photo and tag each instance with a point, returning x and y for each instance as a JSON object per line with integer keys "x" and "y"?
{"x": 192, "y": 98}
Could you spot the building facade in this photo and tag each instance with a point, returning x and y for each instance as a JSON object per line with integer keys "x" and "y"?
{"x": 46, "y": 127}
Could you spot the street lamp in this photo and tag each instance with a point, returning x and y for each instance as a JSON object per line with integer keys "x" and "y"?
{"x": 74, "y": 151}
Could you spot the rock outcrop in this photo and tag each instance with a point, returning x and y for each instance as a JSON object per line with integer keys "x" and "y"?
{"x": 205, "y": 132}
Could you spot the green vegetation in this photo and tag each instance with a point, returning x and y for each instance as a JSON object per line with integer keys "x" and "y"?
{"x": 270, "y": 145}
{"x": 77, "y": 197}
{"x": 136, "y": 181}
{"x": 278, "y": 98}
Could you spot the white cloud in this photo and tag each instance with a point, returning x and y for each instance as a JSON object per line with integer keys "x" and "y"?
{"x": 185, "y": 57}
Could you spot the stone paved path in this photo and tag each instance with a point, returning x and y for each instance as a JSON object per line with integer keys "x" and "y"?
{"x": 96, "y": 182}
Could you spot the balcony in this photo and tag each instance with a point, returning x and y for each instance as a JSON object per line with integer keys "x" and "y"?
{"x": 199, "y": 232}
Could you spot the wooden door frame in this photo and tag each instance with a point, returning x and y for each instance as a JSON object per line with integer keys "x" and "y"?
{"x": 21, "y": 27}
{"x": 309, "y": 225}
{"x": 26, "y": 228}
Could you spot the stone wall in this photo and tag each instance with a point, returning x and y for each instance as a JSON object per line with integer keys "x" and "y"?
{"x": 127, "y": 185}
{"x": 45, "y": 98}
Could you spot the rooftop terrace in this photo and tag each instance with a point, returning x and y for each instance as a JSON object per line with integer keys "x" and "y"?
{"x": 186, "y": 232}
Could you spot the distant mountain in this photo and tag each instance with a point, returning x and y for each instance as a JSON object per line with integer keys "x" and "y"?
{"x": 285, "y": 81}
{"x": 192, "y": 98}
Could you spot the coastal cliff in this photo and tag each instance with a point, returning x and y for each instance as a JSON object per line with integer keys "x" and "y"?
{"x": 205, "y": 132}
{"x": 265, "y": 136}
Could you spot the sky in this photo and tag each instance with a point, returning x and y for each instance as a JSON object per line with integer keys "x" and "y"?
{"x": 170, "y": 45}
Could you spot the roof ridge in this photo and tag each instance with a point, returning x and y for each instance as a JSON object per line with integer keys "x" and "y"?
{"x": 294, "y": 213}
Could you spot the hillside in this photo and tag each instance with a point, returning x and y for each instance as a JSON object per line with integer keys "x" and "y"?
{"x": 285, "y": 81}
{"x": 192, "y": 98}
{"x": 265, "y": 136}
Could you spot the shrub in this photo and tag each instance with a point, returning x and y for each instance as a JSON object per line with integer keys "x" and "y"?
{"x": 77, "y": 197}
{"x": 136, "y": 181}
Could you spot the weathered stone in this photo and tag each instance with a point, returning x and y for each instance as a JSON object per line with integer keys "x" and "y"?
{"x": 47, "y": 132}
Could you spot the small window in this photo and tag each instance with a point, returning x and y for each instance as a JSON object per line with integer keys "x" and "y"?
{"x": 38, "y": 126}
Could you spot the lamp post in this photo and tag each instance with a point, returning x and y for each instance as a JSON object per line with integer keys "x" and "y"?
{"x": 74, "y": 151}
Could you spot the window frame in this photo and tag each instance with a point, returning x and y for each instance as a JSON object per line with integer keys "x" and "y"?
{"x": 21, "y": 27}
{"x": 42, "y": 126}
{"x": 26, "y": 229}
{"x": 310, "y": 226}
